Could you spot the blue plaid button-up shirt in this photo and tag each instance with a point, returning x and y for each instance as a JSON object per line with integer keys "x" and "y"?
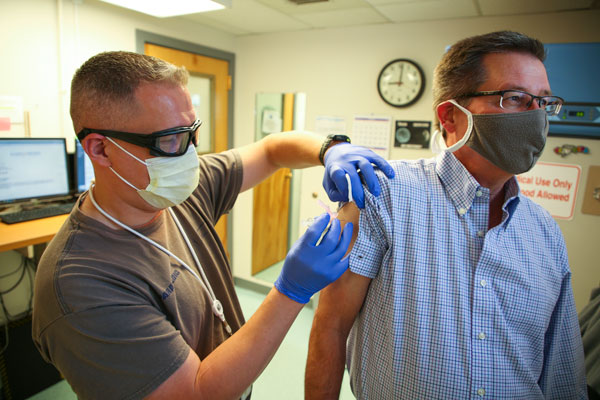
{"x": 454, "y": 310}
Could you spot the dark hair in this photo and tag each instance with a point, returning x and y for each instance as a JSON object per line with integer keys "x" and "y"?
{"x": 103, "y": 88}
{"x": 461, "y": 70}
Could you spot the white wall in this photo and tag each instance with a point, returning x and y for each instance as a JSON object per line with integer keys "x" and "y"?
{"x": 38, "y": 66}
{"x": 45, "y": 41}
{"x": 338, "y": 69}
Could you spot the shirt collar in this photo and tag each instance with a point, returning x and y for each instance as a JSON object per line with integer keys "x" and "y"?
{"x": 458, "y": 182}
{"x": 462, "y": 187}
{"x": 512, "y": 197}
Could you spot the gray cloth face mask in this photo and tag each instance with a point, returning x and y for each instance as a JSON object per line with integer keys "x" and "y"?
{"x": 511, "y": 141}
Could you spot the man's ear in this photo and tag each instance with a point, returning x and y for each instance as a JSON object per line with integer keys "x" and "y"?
{"x": 93, "y": 144}
{"x": 445, "y": 114}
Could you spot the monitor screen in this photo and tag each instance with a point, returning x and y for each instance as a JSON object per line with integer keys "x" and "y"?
{"x": 84, "y": 171}
{"x": 32, "y": 168}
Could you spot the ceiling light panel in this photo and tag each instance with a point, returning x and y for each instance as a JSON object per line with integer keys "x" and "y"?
{"x": 171, "y": 8}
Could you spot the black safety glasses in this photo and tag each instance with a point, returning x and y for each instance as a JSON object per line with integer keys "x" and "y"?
{"x": 170, "y": 142}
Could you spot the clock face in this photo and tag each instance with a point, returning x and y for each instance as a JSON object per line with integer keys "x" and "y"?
{"x": 401, "y": 82}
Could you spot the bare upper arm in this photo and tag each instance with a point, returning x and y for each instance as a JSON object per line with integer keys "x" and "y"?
{"x": 181, "y": 384}
{"x": 340, "y": 301}
{"x": 256, "y": 164}
{"x": 293, "y": 149}
{"x": 350, "y": 213}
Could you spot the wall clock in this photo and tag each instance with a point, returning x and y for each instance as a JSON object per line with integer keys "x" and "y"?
{"x": 401, "y": 82}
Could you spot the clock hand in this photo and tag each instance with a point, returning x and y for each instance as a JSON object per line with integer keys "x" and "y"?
{"x": 401, "y": 74}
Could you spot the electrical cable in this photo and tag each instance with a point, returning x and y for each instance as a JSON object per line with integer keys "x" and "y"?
{"x": 27, "y": 265}
{"x": 23, "y": 267}
{"x": 13, "y": 272}
{"x": 3, "y": 349}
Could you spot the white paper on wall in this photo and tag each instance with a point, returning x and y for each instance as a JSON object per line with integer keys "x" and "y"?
{"x": 373, "y": 132}
{"x": 327, "y": 124}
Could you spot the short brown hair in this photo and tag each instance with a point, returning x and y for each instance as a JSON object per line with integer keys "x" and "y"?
{"x": 461, "y": 71}
{"x": 103, "y": 88}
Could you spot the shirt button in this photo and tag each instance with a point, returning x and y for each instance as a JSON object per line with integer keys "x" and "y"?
{"x": 480, "y": 233}
{"x": 481, "y": 392}
{"x": 462, "y": 211}
{"x": 481, "y": 335}
{"x": 479, "y": 193}
{"x": 483, "y": 282}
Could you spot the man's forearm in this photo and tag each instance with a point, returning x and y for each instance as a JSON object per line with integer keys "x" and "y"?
{"x": 278, "y": 150}
{"x": 236, "y": 363}
{"x": 233, "y": 366}
{"x": 325, "y": 363}
{"x": 339, "y": 305}
{"x": 293, "y": 149}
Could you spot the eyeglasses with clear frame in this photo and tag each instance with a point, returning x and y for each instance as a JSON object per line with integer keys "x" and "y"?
{"x": 170, "y": 142}
{"x": 518, "y": 100}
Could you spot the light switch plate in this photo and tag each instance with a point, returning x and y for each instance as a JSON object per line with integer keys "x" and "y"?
{"x": 590, "y": 204}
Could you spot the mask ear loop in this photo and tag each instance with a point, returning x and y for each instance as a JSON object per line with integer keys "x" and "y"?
{"x": 438, "y": 144}
{"x": 122, "y": 148}
{"x": 136, "y": 158}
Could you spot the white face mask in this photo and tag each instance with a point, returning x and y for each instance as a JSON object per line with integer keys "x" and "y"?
{"x": 172, "y": 179}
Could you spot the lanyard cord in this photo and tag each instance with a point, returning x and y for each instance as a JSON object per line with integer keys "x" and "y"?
{"x": 189, "y": 245}
{"x": 216, "y": 304}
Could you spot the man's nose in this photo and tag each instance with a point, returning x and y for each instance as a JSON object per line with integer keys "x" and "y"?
{"x": 535, "y": 104}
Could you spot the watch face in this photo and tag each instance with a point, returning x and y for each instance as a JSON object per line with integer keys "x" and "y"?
{"x": 401, "y": 83}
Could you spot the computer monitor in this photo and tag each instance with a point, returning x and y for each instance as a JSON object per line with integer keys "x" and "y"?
{"x": 84, "y": 171}
{"x": 33, "y": 168}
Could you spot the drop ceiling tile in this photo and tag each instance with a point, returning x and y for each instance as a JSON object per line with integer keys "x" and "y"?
{"x": 390, "y": 2}
{"x": 248, "y": 16}
{"x": 514, "y": 7}
{"x": 427, "y": 10}
{"x": 218, "y": 25}
{"x": 345, "y": 17}
{"x": 287, "y": 7}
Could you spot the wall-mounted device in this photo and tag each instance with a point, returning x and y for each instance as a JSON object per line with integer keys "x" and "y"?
{"x": 412, "y": 134}
{"x": 573, "y": 74}
{"x": 271, "y": 121}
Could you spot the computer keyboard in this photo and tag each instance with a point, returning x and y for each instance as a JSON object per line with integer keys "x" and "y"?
{"x": 37, "y": 213}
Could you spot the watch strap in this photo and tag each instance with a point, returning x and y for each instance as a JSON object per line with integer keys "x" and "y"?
{"x": 331, "y": 138}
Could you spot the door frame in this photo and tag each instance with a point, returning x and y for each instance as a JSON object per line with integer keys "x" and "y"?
{"x": 143, "y": 37}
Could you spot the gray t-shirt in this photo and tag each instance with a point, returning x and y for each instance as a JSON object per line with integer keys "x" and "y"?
{"x": 116, "y": 315}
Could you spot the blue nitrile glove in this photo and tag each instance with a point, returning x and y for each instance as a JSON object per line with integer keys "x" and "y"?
{"x": 345, "y": 158}
{"x": 309, "y": 267}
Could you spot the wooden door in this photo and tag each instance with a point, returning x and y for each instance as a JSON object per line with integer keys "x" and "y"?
{"x": 216, "y": 70}
{"x": 271, "y": 208}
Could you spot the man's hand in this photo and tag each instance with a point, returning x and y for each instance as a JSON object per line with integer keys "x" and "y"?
{"x": 309, "y": 267}
{"x": 345, "y": 158}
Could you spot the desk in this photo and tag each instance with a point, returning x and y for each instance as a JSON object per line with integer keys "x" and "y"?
{"x": 23, "y": 234}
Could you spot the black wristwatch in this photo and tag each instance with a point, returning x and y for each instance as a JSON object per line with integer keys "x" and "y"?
{"x": 327, "y": 143}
